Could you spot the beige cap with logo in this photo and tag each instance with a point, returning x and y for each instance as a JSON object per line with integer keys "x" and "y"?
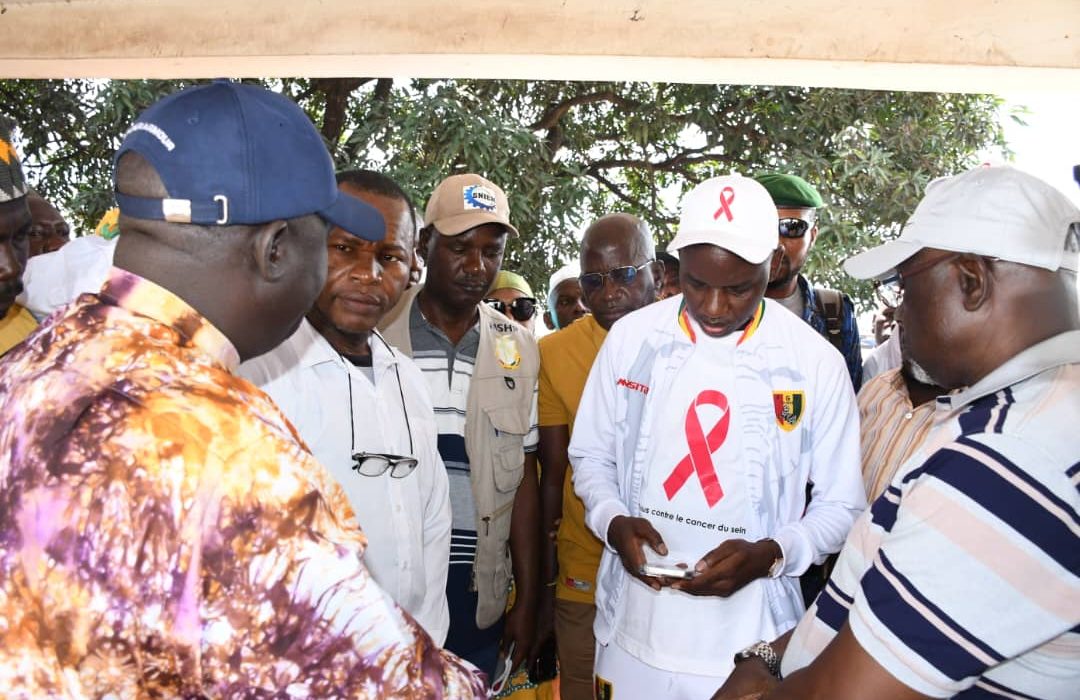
{"x": 463, "y": 202}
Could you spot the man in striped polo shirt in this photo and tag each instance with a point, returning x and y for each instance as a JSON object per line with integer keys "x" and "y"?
{"x": 481, "y": 370}
{"x": 963, "y": 578}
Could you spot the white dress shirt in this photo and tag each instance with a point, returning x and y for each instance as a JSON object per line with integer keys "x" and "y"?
{"x": 407, "y": 520}
{"x": 883, "y": 358}
{"x": 52, "y": 280}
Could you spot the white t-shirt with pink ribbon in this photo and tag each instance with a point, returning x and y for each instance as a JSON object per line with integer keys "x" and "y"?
{"x": 649, "y": 441}
{"x": 694, "y": 494}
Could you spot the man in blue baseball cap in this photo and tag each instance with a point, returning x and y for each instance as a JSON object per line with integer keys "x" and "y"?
{"x": 165, "y": 531}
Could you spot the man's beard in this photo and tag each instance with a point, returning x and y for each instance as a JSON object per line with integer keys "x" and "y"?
{"x": 778, "y": 283}
{"x": 784, "y": 266}
{"x": 8, "y": 294}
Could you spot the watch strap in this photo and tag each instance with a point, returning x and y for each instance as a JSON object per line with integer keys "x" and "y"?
{"x": 764, "y": 651}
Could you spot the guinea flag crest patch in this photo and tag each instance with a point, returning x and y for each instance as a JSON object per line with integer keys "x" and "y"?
{"x": 789, "y": 407}
{"x": 506, "y": 351}
{"x": 603, "y": 689}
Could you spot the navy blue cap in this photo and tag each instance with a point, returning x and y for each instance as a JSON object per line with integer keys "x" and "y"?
{"x": 230, "y": 153}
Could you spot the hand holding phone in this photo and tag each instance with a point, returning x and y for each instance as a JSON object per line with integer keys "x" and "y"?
{"x": 629, "y": 537}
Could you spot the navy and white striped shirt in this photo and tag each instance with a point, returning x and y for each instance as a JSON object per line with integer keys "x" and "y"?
{"x": 963, "y": 578}
{"x": 448, "y": 370}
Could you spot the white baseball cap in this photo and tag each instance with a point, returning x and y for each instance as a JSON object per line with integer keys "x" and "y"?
{"x": 569, "y": 271}
{"x": 998, "y": 212}
{"x": 732, "y": 212}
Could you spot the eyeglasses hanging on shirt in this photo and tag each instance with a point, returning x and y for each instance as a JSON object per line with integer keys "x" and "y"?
{"x": 522, "y": 308}
{"x": 377, "y": 463}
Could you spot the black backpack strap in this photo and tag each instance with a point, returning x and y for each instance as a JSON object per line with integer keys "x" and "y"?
{"x": 830, "y": 306}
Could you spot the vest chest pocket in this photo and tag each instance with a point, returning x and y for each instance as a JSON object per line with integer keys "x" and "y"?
{"x": 507, "y": 446}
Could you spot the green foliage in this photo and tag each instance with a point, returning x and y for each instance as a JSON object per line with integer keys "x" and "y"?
{"x": 70, "y": 130}
{"x": 567, "y": 152}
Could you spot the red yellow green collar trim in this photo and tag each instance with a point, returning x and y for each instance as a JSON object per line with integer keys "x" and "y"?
{"x": 684, "y": 322}
{"x": 749, "y": 330}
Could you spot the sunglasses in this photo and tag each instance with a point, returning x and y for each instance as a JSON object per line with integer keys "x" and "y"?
{"x": 794, "y": 228}
{"x": 592, "y": 282}
{"x": 522, "y": 308}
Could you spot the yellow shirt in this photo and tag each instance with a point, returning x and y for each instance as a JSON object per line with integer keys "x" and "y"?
{"x": 565, "y": 360}
{"x": 15, "y": 326}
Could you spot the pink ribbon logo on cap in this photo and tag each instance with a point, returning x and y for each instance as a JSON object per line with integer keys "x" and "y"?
{"x": 701, "y": 447}
{"x": 727, "y": 196}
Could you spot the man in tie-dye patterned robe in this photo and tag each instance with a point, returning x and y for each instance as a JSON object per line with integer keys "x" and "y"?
{"x": 164, "y": 532}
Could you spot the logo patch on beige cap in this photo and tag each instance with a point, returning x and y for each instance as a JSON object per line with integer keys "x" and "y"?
{"x": 478, "y": 197}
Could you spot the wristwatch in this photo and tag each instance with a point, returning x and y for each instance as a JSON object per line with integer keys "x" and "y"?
{"x": 776, "y": 567}
{"x": 778, "y": 563}
{"x": 764, "y": 651}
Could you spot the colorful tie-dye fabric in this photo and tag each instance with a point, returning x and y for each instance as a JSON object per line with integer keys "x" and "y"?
{"x": 165, "y": 533}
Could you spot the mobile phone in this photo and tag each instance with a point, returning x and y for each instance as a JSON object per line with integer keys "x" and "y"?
{"x": 667, "y": 570}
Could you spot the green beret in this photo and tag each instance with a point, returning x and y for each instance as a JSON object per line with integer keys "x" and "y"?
{"x": 790, "y": 191}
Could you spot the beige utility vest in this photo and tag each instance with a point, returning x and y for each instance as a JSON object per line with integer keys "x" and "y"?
{"x": 497, "y": 413}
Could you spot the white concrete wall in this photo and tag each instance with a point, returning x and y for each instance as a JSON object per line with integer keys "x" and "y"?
{"x": 966, "y": 45}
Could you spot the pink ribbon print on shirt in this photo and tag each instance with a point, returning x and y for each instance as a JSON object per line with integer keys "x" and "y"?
{"x": 699, "y": 457}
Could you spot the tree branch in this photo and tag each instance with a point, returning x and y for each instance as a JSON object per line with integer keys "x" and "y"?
{"x": 637, "y": 204}
{"x": 336, "y": 92}
{"x": 382, "y": 90}
{"x": 676, "y": 163}
{"x": 557, "y": 111}
{"x": 555, "y": 136}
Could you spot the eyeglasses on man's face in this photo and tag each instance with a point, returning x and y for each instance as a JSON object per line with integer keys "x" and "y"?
{"x": 376, "y": 464}
{"x": 592, "y": 282}
{"x": 890, "y": 290}
{"x": 522, "y": 308}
